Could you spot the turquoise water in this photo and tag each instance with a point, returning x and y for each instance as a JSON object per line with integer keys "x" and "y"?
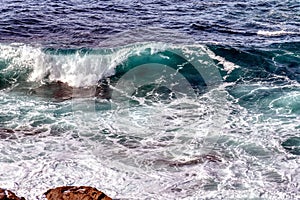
{"x": 151, "y": 120}
{"x": 151, "y": 100}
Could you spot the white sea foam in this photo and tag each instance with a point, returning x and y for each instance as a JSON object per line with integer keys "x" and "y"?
{"x": 227, "y": 65}
{"x": 123, "y": 162}
{"x": 78, "y": 69}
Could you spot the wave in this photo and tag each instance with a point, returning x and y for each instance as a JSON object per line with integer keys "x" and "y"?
{"x": 78, "y": 68}
{"x": 201, "y": 65}
{"x": 85, "y": 67}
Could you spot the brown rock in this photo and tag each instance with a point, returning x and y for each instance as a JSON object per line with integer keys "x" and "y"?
{"x": 8, "y": 195}
{"x": 62, "y": 91}
{"x": 75, "y": 193}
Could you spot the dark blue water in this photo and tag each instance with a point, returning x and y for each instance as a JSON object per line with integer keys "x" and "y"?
{"x": 87, "y": 23}
{"x": 151, "y": 99}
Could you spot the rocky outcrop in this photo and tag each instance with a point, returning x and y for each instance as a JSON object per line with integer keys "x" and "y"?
{"x": 8, "y": 195}
{"x": 62, "y": 193}
{"x": 75, "y": 193}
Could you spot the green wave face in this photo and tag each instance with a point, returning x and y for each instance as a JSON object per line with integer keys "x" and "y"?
{"x": 262, "y": 79}
{"x": 86, "y": 67}
{"x": 23, "y": 66}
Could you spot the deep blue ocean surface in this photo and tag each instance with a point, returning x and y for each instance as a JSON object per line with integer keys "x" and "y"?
{"x": 151, "y": 99}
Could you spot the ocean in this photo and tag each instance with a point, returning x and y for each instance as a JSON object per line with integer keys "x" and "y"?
{"x": 151, "y": 99}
